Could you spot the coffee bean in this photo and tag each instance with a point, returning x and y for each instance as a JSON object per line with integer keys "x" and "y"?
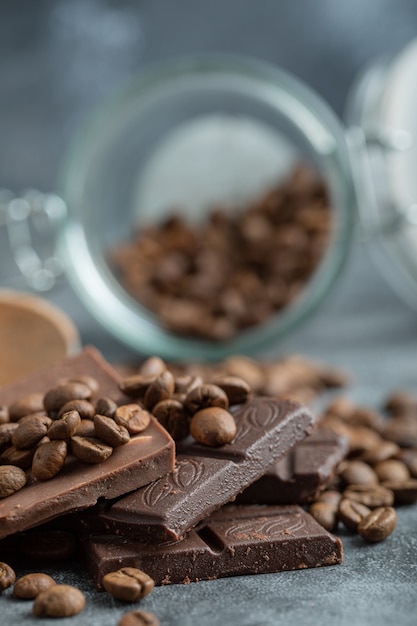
{"x": 90, "y": 449}
{"x": 351, "y": 513}
{"x": 7, "y": 576}
{"x": 66, "y": 426}
{"x": 341, "y": 407}
{"x": 402, "y": 430}
{"x": 87, "y": 380}
{"x": 132, "y": 417}
{"x": 49, "y": 459}
{"x": 378, "y": 524}
{"x": 364, "y": 416}
{"x": 153, "y": 366}
{"x": 30, "y": 431}
{"x": 136, "y": 385}
{"x": 139, "y": 618}
{"x": 128, "y": 584}
{"x": 84, "y": 409}
{"x": 11, "y": 480}
{"x": 383, "y": 451}
{"x": 372, "y": 496}
{"x": 110, "y": 432}
{"x": 59, "y": 395}
{"x": 186, "y": 382}
{"x": 236, "y": 389}
{"x": 49, "y": 545}
{"x": 409, "y": 457}
{"x": 250, "y": 370}
{"x": 27, "y": 405}
{"x": 392, "y": 469}
{"x": 205, "y": 396}
{"x": 331, "y": 496}
{"x": 325, "y": 513}
{"x": 105, "y": 406}
{"x": 86, "y": 429}
{"x": 160, "y": 389}
{"x": 362, "y": 438}
{"x": 405, "y": 491}
{"x": 213, "y": 426}
{"x": 172, "y": 415}
{"x": 6, "y": 432}
{"x": 357, "y": 473}
{"x": 4, "y": 415}
{"x": 19, "y": 458}
{"x": 401, "y": 403}
{"x": 30, "y": 586}
{"x": 59, "y": 601}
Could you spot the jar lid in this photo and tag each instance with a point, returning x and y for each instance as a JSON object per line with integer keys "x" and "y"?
{"x": 382, "y": 132}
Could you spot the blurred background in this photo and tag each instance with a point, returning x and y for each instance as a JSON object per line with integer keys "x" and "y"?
{"x": 60, "y": 58}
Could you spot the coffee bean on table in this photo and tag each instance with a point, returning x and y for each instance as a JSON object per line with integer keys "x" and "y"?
{"x": 29, "y": 586}
{"x": 87, "y": 380}
{"x": 133, "y": 417}
{"x": 59, "y": 395}
{"x": 401, "y": 403}
{"x": 172, "y": 416}
{"x": 204, "y": 396}
{"x": 378, "y": 524}
{"x": 59, "y": 601}
{"x": 405, "y": 491}
{"x": 6, "y": 432}
{"x": 66, "y": 426}
{"x": 383, "y": 451}
{"x": 128, "y": 584}
{"x": 237, "y": 390}
{"x": 358, "y": 473}
{"x": 105, "y": 406}
{"x": 49, "y": 459}
{"x": 19, "y": 458}
{"x": 84, "y": 408}
{"x": 153, "y": 366}
{"x": 325, "y": 513}
{"x": 90, "y": 449}
{"x": 7, "y": 576}
{"x": 161, "y": 388}
{"x": 136, "y": 385}
{"x": 372, "y": 496}
{"x": 392, "y": 469}
{"x": 139, "y": 618}
{"x": 27, "y": 405}
{"x": 213, "y": 426}
{"x": 86, "y": 429}
{"x": 12, "y": 479}
{"x": 110, "y": 432}
{"x": 30, "y": 431}
{"x": 351, "y": 513}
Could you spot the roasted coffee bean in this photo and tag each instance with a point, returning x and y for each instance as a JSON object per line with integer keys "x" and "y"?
{"x": 401, "y": 403}
{"x": 11, "y": 480}
{"x": 248, "y": 369}
{"x": 153, "y": 366}
{"x": 87, "y": 380}
{"x": 50, "y": 545}
{"x": 405, "y": 491}
{"x": 66, "y": 426}
{"x": 236, "y": 389}
{"x": 402, "y": 430}
{"x": 160, "y": 389}
{"x": 325, "y": 513}
{"x": 29, "y": 404}
{"x": 186, "y": 382}
{"x": 133, "y": 417}
{"x": 351, "y": 513}
{"x": 139, "y": 618}
{"x": 90, "y": 449}
{"x": 372, "y": 496}
{"x": 30, "y": 586}
{"x": 341, "y": 407}
{"x": 128, "y": 584}
{"x": 6, "y": 432}
{"x": 205, "y": 396}
{"x": 84, "y": 409}
{"x": 383, "y": 451}
{"x": 110, "y": 432}
{"x": 357, "y": 473}
{"x": 364, "y": 416}
{"x": 49, "y": 459}
{"x": 59, "y": 601}
{"x": 136, "y": 385}
{"x": 378, "y": 524}
{"x": 105, "y": 406}
{"x": 4, "y": 415}
{"x": 213, "y": 426}
{"x": 19, "y": 458}
{"x": 362, "y": 438}
{"x": 409, "y": 457}
{"x": 59, "y": 395}
{"x": 7, "y": 576}
{"x": 331, "y": 496}
{"x": 392, "y": 469}
{"x": 86, "y": 429}
{"x": 172, "y": 415}
{"x": 30, "y": 431}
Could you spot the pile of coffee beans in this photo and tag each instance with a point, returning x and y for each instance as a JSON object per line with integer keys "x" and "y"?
{"x": 234, "y": 270}
{"x": 380, "y": 470}
{"x": 40, "y": 430}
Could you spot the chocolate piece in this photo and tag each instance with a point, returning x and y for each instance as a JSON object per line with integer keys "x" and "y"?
{"x": 206, "y": 478}
{"x": 236, "y": 540}
{"x": 300, "y": 476}
{"x": 143, "y": 459}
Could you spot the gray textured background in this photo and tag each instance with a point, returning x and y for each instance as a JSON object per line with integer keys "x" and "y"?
{"x": 58, "y": 59}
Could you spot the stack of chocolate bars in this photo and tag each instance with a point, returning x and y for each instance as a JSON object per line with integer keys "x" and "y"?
{"x": 181, "y": 511}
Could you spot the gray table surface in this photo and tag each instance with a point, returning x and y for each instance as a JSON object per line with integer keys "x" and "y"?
{"x": 57, "y": 61}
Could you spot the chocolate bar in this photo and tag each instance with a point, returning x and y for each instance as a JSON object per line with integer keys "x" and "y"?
{"x": 206, "y": 478}
{"x": 143, "y": 459}
{"x": 234, "y": 541}
{"x": 301, "y": 475}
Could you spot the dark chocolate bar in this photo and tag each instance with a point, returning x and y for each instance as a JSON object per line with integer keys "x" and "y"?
{"x": 143, "y": 459}
{"x": 234, "y": 541}
{"x": 206, "y": 478}
{"x": 302, "y": 473}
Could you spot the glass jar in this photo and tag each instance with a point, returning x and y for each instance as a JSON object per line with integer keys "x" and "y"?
{"x": 141, "y": 150}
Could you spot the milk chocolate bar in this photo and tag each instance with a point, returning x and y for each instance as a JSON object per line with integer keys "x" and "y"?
{"x": 143, "y": 459}
{"x": 234, "y": 541}
{"x": 206, "y": 478}
{"x": 301, "y": 475}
